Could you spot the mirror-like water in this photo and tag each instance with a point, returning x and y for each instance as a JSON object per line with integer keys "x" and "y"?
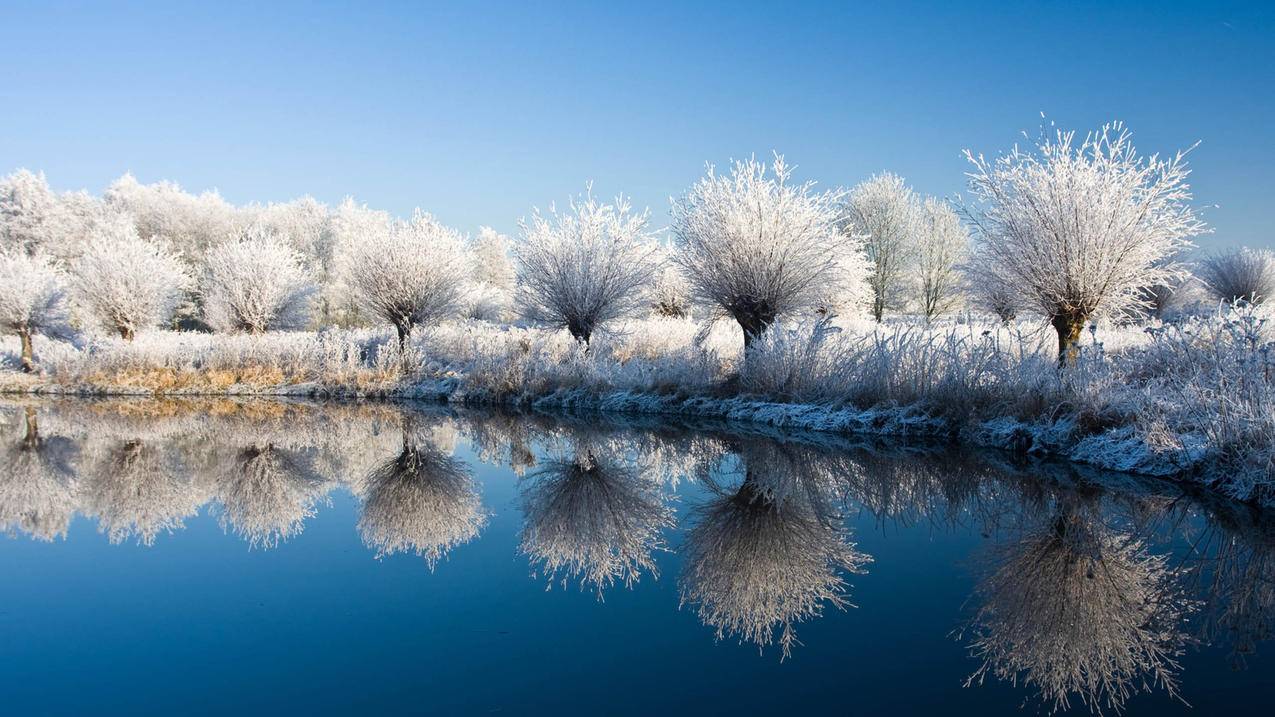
{"x": 208, "y": 556}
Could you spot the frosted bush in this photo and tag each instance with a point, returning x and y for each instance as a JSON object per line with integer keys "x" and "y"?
{"x": 33, "y": 300}
{"x": 1239, "y": 275}
{"x": 124, "y": 283}
{"x": 256, "y": 283}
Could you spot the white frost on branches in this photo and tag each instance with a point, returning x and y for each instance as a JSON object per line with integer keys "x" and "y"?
{"x": 942, "y": 243}
{"x": 125, "y": 283}
{"x": 582, "y": 268}
{"x": 1080, "y": 227}
{"x": 33, "y": 299}
{"x": 884, "y": 211}
{"x": 405, "y": 273}
{"x": 1239, "y": 275}
{"x": 757, "y": 247}
{"x": 256, "y": 283}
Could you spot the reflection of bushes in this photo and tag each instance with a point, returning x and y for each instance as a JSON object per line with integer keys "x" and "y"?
{"x": 135, "y": 491}
{"x": 421, "y": 500}
{"x": 267, "y": 492}
{"x": 1074, "y": 609}
{"x": 37, "y": 486}
{"x": 769, "y": 555}
{"x": 594, "y": 518}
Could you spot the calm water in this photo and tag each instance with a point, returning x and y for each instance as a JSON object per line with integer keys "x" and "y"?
{"x": 251, "y": 557}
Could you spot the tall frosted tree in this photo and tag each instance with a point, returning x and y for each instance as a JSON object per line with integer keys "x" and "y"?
{"x": 125, "y": 283}
{"x": 1080, "y": 226}
{"x": 191, "y": 223}
{"x": 405, "y": 273}
{"x": 256, "y": 283}
{"x": 886, "y": 214}
{"x": 584, "y": 267}
{"x": 33, "y": 299}
{"x": 942, "y": 243}
{"x": 755, "y": 246}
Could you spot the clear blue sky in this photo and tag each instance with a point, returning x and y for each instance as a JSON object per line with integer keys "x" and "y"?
{"x": 477, "y": 112}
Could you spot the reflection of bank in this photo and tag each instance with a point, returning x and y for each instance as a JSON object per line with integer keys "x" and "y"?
{"x": 38, "y": 486}
{"x": 1077, "y": 610}
{"x": 593, "y": 517}
{"x": 422, "y": 500}
{"x": 772, "y": 552}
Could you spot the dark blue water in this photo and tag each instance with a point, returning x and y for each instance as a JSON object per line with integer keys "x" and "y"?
{"x": 249, "y": 558}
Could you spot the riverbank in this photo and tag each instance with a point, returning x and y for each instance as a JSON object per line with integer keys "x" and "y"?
{"x": 1191, "y": 401}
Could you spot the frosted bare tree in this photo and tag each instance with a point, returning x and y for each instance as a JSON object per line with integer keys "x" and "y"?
{"x": 886, "y": 214}
{"x": 33, "y": 217}
{"x": 490, "y": 296}
{"x": 594, "y": 518}
{"x": 942, "y": 245}
{"x": 256, "y": 283}
{"x": 125, "y": 283}
{"x": 421, "y": 500}
{"x": 33, "y": 299}
{"x": 584, "y": 267}
{"x": 193, "y": 224}
{"x": 771, "y": 553}
{"x": 755, "y": 246}
{"x": 1076, "y": 610}
{"x": 1239, "y": 275}
{"x": 406, "y": 273}
{"x": 671, "y": 295}
{"x": 1078, "y": 227}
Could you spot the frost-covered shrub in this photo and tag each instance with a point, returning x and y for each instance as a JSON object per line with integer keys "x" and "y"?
{"x": 255, "y": 284}
{"x": 671, "y": 296}
{"x": 887, "y": 215}
{"x": 405, "y": 273}
{"x": 755, "y": 247}
{"x": 1079, "y": 228}
{"x": 582, "y": 268}
{"x": 33, "y": 299}
{"x": 1239, "y": 275}
{"x": 125, "y": 283}
{"x": 490, "y": 295}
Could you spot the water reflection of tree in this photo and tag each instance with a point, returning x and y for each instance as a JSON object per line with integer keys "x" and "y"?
{"x": 772, "y": 552}
{"x": 134, "y": 489}
{"x": 1078, "y": 610}
{"x": 422, "y": 500}
{"x": 593, "y": 517}
{"x": 38, "y": 491}
{"x": 267, "y": 492}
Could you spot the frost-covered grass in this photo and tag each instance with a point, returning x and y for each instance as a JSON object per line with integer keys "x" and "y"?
{"x": 1191, "y": 398}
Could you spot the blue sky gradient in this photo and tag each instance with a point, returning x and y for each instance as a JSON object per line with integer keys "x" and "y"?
{"x": 479, "y": 111}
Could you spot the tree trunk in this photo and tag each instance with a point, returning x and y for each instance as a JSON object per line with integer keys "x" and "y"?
{"x": 28, "y": 354}
{"x": 1069, "y": 328}
{"x": 878, "y": 308}
{"x": 32, "y": 437}
{"x": 126, "y": 333}
{"x": 404, "y": 331}
{"x": 753, "y": 325}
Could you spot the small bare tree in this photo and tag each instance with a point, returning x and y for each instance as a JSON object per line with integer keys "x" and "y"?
{"x": 405, "y": 273}
{"x": 580, "y": 269}
{"x": 256, "y": 283}
{"x": 1078, "y": 228}
{"x": 885, "y": 212}
{"x": 33, "y": 299}
{"x": 756, "y": 247}
{"x": 942, "y": 243}
{"x": 1239, "y": 275}
{"x": 126, "y": 283}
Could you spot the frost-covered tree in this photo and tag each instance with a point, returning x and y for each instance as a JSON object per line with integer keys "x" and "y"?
{"x": 884, "y": 211}
{"x": 671, "y": 295}
{"x": 33, "y": 217}
{"x": 350, "y": 224}
{"x": 941, "y": 246}
{"x": 582, "y": 268}
{"x": 756, "y": 247}
{"x": 491, "y": 262}
{"x": 405, "y": 273}
{"x": 124, "y": 282}
{"x": 33, "y": 299}
{"x": 1078, "y": 228}
{"x": 1239, "y": 275}
{"x": 256, "y": 283}
{"x": 191, "y": 223}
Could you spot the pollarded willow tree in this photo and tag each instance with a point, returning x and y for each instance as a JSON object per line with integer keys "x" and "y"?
{"x": 256, "y": 283}
{"x": 406, "y": 273}
{"x": 124, "y": 282}
{"x": 1239, "y": 275}
{"x": 1080, "y": 227}
{"x": 756, "y": 247}
{"x": 886, "y": 213}
{"x": 942, "y": 243}
{"x": 582, "y": 268}
{"x": 33, "y": 299}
